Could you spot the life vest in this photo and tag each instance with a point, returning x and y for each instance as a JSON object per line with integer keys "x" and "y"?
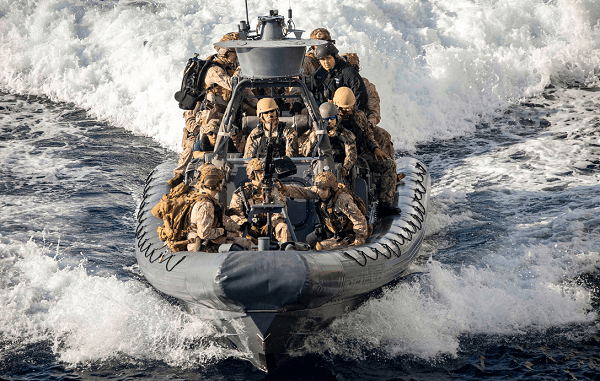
{"x": 279, "y": 142}
{"x": 359, "y": 133}
{"x": 252, "y": 196}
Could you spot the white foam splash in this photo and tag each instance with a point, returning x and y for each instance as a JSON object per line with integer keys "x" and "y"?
{"x": 442, "y": 65}
{"x": 91, "y": 318}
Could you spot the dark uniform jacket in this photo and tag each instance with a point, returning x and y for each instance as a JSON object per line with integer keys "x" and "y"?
{"x": 342, "y": 75}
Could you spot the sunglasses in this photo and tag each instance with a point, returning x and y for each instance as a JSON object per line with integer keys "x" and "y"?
{"x": 211, "y": 133}
{"x": 330, "y": 118}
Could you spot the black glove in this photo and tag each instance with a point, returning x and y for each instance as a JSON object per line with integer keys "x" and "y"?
{"x": 296, "y": 108}
{"x": 320, "y": 232}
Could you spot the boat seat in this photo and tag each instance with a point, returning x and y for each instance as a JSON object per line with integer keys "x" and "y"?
{"x": 299, "y": 122}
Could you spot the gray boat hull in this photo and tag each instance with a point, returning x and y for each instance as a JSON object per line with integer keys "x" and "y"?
{"x": 267, "y": 302}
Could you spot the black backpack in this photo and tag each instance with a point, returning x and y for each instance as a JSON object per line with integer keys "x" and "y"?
{"x": 191, "y": 86}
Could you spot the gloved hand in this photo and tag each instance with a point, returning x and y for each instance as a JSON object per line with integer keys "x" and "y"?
{"x": 296, "y": 108}
{"x": 379, "y": 155}
{"x": 280, "y": 185}
{"x": 197, "y": 108}
{"x": 320, "y": 232}
{"x": 264, "y": 230}
{"x": 254, "y": 230}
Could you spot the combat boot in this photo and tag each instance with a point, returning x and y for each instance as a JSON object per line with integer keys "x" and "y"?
{"x": 176, "y": 180}
{"x": 384, "y": 209}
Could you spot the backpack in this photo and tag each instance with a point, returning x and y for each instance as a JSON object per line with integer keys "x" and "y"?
{"x": 191, "y": 86}
{"x": 174, "y": 209}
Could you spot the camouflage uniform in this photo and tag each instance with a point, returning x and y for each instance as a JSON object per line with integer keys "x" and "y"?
{"x": 343, "y": 144}
{"x": 209, "y": 224}
{"x": 358, "y": 124}
{"x": 373, "y": 110}
{"x": 190, "y": 132}
{"x": 346, "y": 219}
{"x": 218, "y": 86}
{"x": 218, "y": 79}
{"x": 239, "y": 211}
{"x": 384, "y": 139}
{"x": 311, "y": 63}
{"x": 286, "y": 144}
{"x": 203, "y": 144}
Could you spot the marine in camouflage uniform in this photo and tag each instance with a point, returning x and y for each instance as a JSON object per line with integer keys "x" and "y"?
{"x": 218, "y": 86}
{"x": 344, "y": 223}
{"x": 284, "y": 138}
{"x": 208, "y": 138}
{"x": 373, "y": 109}
{"x": 368, "y": 149}
{"x": 342, "y": 141}
{"x": 209, "y": 226}
{"x": 250, "y": 194}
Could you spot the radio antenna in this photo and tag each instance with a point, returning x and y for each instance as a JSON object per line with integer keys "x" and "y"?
{"x": 247, "y": 18}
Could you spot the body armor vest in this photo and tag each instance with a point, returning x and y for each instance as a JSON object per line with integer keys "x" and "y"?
{"x": 278, "y": 141}
{"x": 336, "y": 222}
{"x": 338, "y": 145}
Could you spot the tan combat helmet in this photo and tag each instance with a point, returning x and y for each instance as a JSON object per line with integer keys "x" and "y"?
{"x": 210, "y": 177}
{"x": 231, "y": 36}
{"x": 253, "y": 166}
{"x": 321, "y": 34}
{"x": 265, "y": 105}
{"x": 344, "y": 97}
{"x": 326, "y": 180}
{"x": 212, "y": 127}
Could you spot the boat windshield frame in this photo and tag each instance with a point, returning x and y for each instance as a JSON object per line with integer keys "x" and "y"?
{"x": 237, "y": 97}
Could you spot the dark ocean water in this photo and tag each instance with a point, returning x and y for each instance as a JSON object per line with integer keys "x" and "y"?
{"x": 69, "y": 190}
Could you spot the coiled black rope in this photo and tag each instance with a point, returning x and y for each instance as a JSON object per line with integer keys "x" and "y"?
{"x": 357, "y": 261}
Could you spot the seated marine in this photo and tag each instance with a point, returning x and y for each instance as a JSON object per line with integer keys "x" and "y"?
{"x": 342, "y": 220}
{"x": 356, "y": 121}
{"x": 252, "y": 193}
{"x": 373, "y": 109}
{"x": 208, "y": 138}
{"x": 209, "y": 226}
{"x": 218, "y": 86}
{"x": 283, "y": 139}
{"x": 342, "y": 141}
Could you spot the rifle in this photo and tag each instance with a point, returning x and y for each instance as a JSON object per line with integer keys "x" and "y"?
{"x": 267, "y": 181}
